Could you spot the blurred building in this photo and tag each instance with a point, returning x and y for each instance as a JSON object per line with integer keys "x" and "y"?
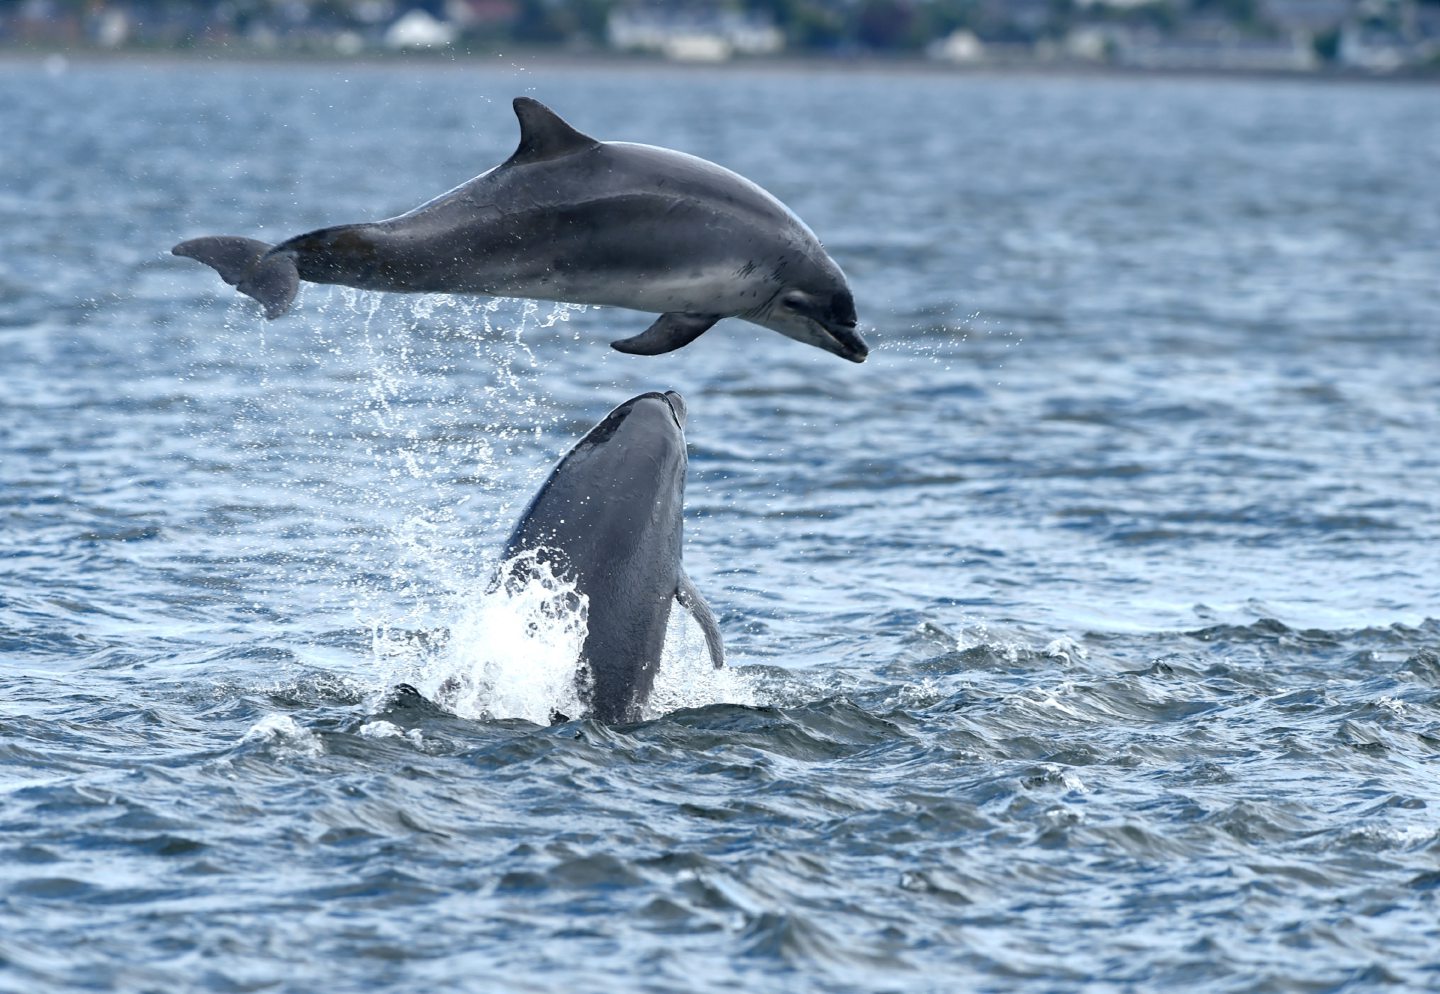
{"x": 693, "y": 34}
{"x": 1220, "y": 35}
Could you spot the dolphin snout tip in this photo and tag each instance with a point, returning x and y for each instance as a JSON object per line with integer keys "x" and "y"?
{"x": 677, "y": 407}
{"x": 851, "y": 345}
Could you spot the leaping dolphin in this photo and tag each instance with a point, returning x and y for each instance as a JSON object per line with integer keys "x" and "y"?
{"x": 572, "y": 219}
{"x": 609, "y": 520}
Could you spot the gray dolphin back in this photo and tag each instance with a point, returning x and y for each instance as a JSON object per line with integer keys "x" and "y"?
{"x": 609, "y": 520}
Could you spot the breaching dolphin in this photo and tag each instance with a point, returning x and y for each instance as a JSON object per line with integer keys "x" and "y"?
{"x": 572, "y": 219}
{"x": 609, "y": 520}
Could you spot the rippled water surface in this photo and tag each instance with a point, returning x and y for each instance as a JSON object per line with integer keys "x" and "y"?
{"x": 1084, "y": 638}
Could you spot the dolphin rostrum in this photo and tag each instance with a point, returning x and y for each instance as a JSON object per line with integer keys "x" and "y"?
{"x": 573, "y": 219}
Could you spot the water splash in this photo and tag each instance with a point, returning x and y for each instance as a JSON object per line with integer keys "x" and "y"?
{"x": 687, "y": 678}
{"x": 284, "y": 732}
{"x": 442, "y": 395}
{"x": 436, "y": 401}
{"x": 511, "y": 650}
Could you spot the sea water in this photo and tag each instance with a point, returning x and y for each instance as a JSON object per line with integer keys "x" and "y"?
{"x": 1085, "y": 637}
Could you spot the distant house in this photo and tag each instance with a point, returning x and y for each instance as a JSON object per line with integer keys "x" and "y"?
{"x": 483, "y": 15}
{"x": 1028, "y": 17}
{"x": 419, "y": 30}
{"x": 1371, "y": 50}
{"x": 693, "y": 36}
{"x": 1235, "y": 54}
{"x": 961, "y": 47}
{"x": 1314, "y": 16}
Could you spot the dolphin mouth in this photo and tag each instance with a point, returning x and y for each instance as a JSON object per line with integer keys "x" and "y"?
{"x": 677, "y": 407}
{"x": 848, "y": 343}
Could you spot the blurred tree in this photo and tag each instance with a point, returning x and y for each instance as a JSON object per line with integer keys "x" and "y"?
{"x": 1327, "y": 45}
{"x": 537, "y": 23}
{"x": 807, "y": 24}
{"x": 887, "y": 24}
{"x": 544, "y": 22}
{"x": 1242, "y": 12}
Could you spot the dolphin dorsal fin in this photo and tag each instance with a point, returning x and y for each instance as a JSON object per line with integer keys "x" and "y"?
{"x": 544, "y": 134}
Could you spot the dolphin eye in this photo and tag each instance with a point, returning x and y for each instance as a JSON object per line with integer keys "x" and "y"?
{"x": 795, "y": 300}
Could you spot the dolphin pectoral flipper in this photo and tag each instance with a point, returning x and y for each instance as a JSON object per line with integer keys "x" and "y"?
{"x": 245, "y": 263}
{"x": 668, "y": 333}
{"x": 691, "y": 600}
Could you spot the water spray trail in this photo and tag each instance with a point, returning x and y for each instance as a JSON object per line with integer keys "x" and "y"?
{"x": 440, "y": 429}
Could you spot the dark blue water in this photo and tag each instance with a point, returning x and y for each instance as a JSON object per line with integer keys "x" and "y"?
{"x": 1086, "y": 637}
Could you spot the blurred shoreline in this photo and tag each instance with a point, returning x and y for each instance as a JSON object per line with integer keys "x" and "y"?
{"x": 58, "y": 59}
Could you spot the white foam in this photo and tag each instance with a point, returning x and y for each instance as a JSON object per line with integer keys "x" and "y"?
{"x": 687, "y": 677}
{"x": 281, "y": 729}
{"x": 511, "y": 650}
{"x": 382, "y": 729}
{"x": 514, "y": 651}
{"x": 1066, "y": 649}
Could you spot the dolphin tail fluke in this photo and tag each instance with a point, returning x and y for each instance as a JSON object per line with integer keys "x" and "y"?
{"x": 273, "y": 281}
{"x": 246, "y": 264}
{"x": 691, "y": 600}
{"x": 668, "y": 333}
